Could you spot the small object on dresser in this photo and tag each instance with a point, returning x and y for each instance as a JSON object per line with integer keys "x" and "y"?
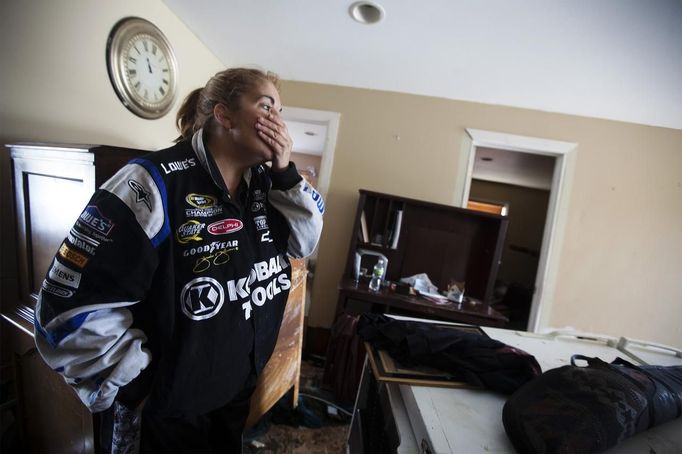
{"x": 404, "y": 289}
{"x": 377, "y": 276}
{"x": 455, "y": 291}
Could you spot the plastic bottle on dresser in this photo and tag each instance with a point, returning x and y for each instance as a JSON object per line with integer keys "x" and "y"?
{"x": 377, "y": 276}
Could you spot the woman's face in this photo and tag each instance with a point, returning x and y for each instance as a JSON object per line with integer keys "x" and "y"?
{"x": 260, "y": 102}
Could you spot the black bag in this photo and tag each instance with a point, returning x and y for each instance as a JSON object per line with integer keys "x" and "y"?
{"x": 470, "y": 357}
{"x": 574, "y": 409}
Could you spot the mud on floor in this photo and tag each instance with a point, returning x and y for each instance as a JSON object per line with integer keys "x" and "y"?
{"x": 310, "y": 428}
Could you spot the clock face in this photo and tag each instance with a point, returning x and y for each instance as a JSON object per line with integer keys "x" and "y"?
{"x": 147, "y": 70}
{"x": 142, "y": 67}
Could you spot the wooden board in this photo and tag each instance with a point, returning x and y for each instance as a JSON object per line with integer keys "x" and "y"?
{"x": 282, "y": 372}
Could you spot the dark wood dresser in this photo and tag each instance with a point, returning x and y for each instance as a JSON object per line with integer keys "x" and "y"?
{"x": 445, "y": 242}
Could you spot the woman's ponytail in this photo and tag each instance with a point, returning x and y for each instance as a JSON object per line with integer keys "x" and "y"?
{"x": 186, "y": 117}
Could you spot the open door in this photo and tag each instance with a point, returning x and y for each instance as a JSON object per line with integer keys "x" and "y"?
{"x": 563, "y": 154}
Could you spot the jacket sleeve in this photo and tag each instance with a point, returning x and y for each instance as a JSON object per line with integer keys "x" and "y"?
{"x": 84, "y": 328}
{"x": 302, "y": 207}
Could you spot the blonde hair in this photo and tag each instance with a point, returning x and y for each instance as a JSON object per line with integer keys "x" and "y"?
{"x": 226, "y": 87}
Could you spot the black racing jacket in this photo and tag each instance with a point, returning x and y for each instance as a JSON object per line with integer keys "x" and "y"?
{"x": 169, "y": 287}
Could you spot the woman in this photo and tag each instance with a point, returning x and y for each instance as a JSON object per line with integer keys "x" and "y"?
{"x": 169, "y": 290}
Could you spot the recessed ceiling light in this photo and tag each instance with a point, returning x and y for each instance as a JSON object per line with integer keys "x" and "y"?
{"x": 366, "y": 12}
{"x": 485, "y": 158}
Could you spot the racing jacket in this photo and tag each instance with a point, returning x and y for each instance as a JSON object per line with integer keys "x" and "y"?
{"x": 169, "y": 287}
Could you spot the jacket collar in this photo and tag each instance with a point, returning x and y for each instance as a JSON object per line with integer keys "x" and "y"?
{"x": 209, "y": 164}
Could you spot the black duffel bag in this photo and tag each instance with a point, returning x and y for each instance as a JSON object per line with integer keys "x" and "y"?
{"x": 590, "y": 409}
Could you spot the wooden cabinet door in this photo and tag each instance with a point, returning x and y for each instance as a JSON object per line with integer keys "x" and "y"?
{"x": 51, "y": 188}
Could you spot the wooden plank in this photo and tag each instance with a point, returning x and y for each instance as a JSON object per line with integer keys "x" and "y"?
{"x": 282, "y": 372}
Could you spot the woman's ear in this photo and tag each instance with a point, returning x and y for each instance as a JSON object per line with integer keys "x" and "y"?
{"x": 222, "y": 116}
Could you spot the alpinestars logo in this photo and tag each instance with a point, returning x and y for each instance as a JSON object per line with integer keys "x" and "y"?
{"x": 202, "y": 298}
{"x": 141, "y": 194}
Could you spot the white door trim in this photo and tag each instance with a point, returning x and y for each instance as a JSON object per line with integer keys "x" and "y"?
{"x": 565, "y": 154}
{"x": 322, "y": 117}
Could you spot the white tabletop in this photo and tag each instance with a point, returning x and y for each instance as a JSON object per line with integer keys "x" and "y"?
{"x": 470, "y": 421}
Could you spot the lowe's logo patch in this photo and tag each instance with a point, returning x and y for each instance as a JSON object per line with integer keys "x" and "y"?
{"x": 93, "y": 218}
{"x": 225, "y": 226}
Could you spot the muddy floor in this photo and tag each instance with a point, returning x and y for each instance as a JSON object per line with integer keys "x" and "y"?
{"x": 314, "y": 427}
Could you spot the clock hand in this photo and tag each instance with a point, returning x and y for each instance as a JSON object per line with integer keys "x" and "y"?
{"x": 149, "y": 66}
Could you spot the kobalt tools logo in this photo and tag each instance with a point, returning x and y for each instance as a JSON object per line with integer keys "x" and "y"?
{"x": 202, "y": 298}
{"x": 93, "y": 218}
{"x": 268, "y": 280}
{"x": 225, "y": 226}
{"x": 189, "y": 231}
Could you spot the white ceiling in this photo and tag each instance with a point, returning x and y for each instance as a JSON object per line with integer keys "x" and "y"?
{"x": 615, "y": 59}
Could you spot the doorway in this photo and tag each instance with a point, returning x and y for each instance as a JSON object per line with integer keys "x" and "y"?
{"x": 558, "y": 158}
{"x": 314, "y": 134}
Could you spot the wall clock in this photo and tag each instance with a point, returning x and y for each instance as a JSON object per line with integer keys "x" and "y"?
{"x": 142, "y": 67}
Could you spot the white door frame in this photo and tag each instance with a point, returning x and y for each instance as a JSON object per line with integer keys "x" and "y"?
{"x": 565, "y": 154}
{"x": 331, "y": 121}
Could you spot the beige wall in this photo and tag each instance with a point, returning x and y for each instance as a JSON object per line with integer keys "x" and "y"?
{"x": 54, "y": 81}
{"x": 621, "y": 259}
{"x": 54, "y": 86}
{"x": 620, "y": 269}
